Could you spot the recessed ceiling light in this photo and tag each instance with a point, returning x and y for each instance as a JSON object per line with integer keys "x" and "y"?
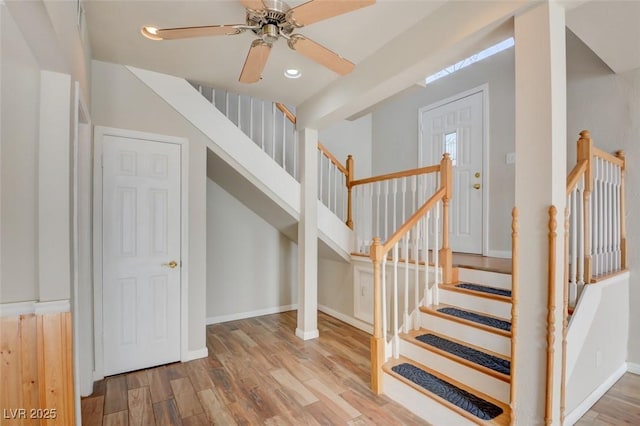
{"x": 292, "y": 73}
{"x": 150, "y": 33}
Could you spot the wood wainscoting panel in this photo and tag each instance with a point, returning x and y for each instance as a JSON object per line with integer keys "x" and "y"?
{"x": 36, "y": 370}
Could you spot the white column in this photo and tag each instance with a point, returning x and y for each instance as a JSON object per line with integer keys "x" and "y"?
{"x": 540, "y": 182}
{"x": 308, "y": 237}
{"x": 54, "y": 246}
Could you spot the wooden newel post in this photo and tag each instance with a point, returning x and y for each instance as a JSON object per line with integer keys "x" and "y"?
{"x": 349, "y": 180}
{"x": 446, "y": 256}
{"x": 623, "y": 226}
{"x": 585, "y": 152}
{"x": 377, "y": 341}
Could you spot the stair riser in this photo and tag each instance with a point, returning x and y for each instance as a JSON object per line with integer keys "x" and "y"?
{"x": 420, "y": 404}
{"x": 491, "y": 279}
{"x": 480, "y": 304}
{"x": 460, "y": 372}
{"x": 480, "y": 338}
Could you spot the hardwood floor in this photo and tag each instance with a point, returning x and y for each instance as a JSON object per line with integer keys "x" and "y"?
{"x": 619, "y": 406}
{"x": 257, "y": 372}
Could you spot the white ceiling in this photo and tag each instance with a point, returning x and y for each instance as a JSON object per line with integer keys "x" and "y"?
{"x": 114, "y": 29}
{"x": 611, "y": 29}
{"x": 372, "y": 36}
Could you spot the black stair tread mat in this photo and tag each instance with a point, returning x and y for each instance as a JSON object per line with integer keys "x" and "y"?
{"x": 470, "y": 354}
{"x": 480, "y": 319}
{"x": 467, "y": 401}
{"x": 485, "y": 289}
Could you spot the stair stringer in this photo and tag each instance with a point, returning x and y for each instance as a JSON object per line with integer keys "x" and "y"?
{"x": 255, "y": 179}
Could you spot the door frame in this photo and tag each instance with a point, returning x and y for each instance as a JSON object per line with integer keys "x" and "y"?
{"x": 99, "y": 134}
{"x": 484, "y": 89}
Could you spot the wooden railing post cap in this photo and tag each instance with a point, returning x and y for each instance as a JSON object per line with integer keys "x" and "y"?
{"x": 585, "y": 134}
{"x": 620, "y": 154}
{"x": 349, "y": 157}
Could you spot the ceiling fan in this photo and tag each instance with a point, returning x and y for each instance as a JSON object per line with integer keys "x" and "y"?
{"x": 269, "y": 20}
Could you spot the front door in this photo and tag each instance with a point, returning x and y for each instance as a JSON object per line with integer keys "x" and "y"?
{"x": 456, "y": 127}
{"x": 141, "y": 253}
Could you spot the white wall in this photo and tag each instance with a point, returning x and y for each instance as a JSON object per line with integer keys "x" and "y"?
{"x": 335, "y": 281}
{"x": 395, "y": 133}
{"x": 251, "y": 266}
{"x": 120, "y": 100}
{"x": 597, "y": 338}
{"x": 351, "y": 137}
{"x": 608, "y": 105}
{"x": 20, "y": 87}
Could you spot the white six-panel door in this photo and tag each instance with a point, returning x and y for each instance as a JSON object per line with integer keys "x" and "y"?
{"x": 141, "y": 253}
{"x": 456, "y": 127}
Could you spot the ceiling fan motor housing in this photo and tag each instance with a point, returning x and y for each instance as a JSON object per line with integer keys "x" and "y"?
{"x": 272, "y": 21}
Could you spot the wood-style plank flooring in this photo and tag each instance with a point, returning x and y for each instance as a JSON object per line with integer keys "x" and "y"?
{"x": 257, "y": 373}
{"x": 619, "y": 406}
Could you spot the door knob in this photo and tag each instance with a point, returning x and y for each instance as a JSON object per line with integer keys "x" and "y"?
{"x": 476, "y": 186}
{"x": 171, "y": 264}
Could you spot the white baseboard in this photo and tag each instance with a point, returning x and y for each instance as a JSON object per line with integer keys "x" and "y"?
{"x": 250, "y": 314}
{"x": 307, "y": 335}
{"x": 503, "y": 254}
{"x": 632, "y": 367}
{"x": 588, "y": 402}
{"x": 34, "y": 307}
{"x": 197, "y": 354}
{"x": 361, "y": 325}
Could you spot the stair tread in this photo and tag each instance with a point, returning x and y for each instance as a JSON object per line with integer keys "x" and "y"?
{"x": 481, "y": 290}
{"x": 413, "y": 333}
{"x": 472, "y": 318}
{"x": 460, "y": 350}
{"x": 459, "y": 394}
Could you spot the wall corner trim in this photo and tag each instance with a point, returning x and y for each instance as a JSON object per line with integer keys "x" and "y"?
{"x": 250, "y": 314}
{"x": 197, "y": 354}
{"x": 634, "y": 368}
{"x": 34, "y": 307}
{"x": 360, "y": 325}
{"x": 590, "y": 400}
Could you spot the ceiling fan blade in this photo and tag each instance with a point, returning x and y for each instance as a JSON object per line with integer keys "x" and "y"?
{"x": 255, "y": 62}
{"x": 187, "y": 32}
{"x": 320, "y": 54}
{"x": 317, "y": 10}
{"x": 253, "y": 4}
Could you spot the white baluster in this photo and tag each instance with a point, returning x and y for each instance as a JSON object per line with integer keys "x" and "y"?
{"x": 405, "y": 252}
{"x": 394, "y": 190}
{"x": 404, "y": 203}
{"x": 396, "y": 340}
{"x": 573, "y": 285}
{"x": 336, "y": 181}
{"x": 436, "y": 266}
{"x": 213, "y": 96}
{"x": 284, "y": 141}
{"x": 328, "y": 203}
{"x": 239, "y": 112}
{"x": 262, "y": 125}
{"x": 616, "y": 215}
{"x": 580, "y": 231}
{"x": 251, "y": 119}
{"x": 378, "y": 190}
{"x": 273, "y": 131}
{"x": 414, "y": 206}
{"x": 295, "y": 152}
{"x": 320, "y": 180}
{"x": 416, "y": 272}
{"x": 383, "y": 284}
{"x": 386, "y": 209}
{"x": 427, "y": 292}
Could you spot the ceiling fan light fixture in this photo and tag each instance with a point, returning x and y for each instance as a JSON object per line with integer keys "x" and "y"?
{"x": 150, "y": 33}
{"x": 292, "y": 73}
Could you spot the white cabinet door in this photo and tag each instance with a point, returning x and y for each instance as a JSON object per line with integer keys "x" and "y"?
{"x": 457, "y": 128}
{"x": 141, "y": 241}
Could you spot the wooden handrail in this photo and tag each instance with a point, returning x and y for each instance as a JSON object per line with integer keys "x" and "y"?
{"x": 286, "y": 112}
{"x": 576, "y": 173}
{"x": 406, "y": 227}
{"x": 608, "y": 157}
{"x": 333, "y": 159}
{"x": 404, "y": 173}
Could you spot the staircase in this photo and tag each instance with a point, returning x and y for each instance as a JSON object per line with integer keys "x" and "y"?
{"x": 455, "y": 367}
{"x": 443, "y": 337}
